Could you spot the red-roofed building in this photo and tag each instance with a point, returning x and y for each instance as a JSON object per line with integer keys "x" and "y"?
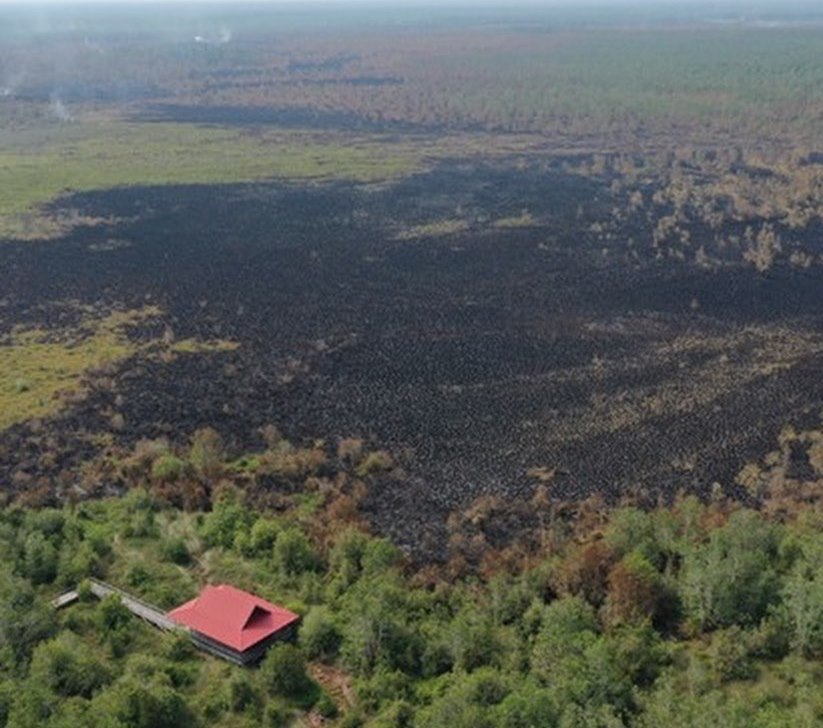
{"x": 234, "y": 624}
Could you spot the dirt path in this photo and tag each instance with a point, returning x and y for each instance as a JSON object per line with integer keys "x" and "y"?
{"x": 336, "y": 683}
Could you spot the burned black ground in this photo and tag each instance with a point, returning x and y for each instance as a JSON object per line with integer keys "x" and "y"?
{"x": 475, "y": 356}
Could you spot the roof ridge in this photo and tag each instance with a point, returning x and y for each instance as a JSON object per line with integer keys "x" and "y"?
{"x": 250, "y": 617}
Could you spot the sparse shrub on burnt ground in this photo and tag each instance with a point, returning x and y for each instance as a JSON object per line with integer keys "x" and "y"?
{"x": 494, "y": 534}
{"x": 712, "y": 207}
{"x": 374, "y": 462}
{"x": 314, "y": 481}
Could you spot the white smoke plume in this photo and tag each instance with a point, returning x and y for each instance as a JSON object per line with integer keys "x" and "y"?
{"x": 224, "y": 36}
{"x": 94, "y": 47}
{"x": 59, "y": 110}
{"x": 10, "y": 85}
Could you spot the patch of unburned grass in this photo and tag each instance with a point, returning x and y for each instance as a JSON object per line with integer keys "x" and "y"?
{"x": 39, "y": 369}
{"x": 195, "y": 346}
{"x": 436, "y": 229}
{"x": 523, "y": 220}
{"x": 104, "y": 154}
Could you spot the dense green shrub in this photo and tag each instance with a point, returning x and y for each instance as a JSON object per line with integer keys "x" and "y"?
{"x": 25, "y": 620}
{"x": 293, "y": 553}
{"x": 140, "y": 703}
{"x": 67, "y": 667}
{"x": 326, "y": 707}
{"x": 176, "y": 551}
{"x": 319, "y": 636}
{"x": 732, "y": 578}
{"x": 168, "y": 468}
{"x": 229, "y": 516}
{"x": 40, "y": 559}
{"x": 284, "y": 672}
{"x": 262, "y": 536}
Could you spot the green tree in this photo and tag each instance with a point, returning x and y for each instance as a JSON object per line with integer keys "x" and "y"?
{"x": 116, "y": 624}
{"x": 732, "y": 578}
{"x": 729, "y": 653}
{"x": 374, "y": 623}
{"x": 229, "y": 517}
{"x": 24, "y": 620}
{"x": 50, "y": 522}
{"x": 346, "y": 558}
{"x": 33, "y": 706}
{"x": 567, "y": 626}
{"x": 67, "y": 667}
{"x": 802, "y": 603}
{"x": 470, "y": 701}
{"x": 633, "y": 530}
{"x": 576, "y": 663}
{"x": 528, "y": 706}
{"x": 293, "y": 553}
{"x": 283, "y": 672}
{"x": 319, "y": 635}
{"x": 206, "y": 454}
{"x": 133, "y": 702}
{"x": 40, "y": 558}
{"x": 241, "y": 694}
{"x": 78, "y": 562}
{"x": 382, "y": 688}
{"x": 471, "y": 638}
{"x": 7, "y": 691}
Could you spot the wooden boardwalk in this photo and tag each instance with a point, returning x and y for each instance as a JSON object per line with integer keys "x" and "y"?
{"x": 142, "y": 609}
{"x": 69, "y": 597}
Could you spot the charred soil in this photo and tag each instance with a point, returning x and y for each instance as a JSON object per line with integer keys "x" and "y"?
{"x": 404, "y": 314}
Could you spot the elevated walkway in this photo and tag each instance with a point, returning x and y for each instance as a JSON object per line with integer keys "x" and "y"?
{"x": 144, "y": 610}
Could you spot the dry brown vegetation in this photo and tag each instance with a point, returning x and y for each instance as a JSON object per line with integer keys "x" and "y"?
{"x": 717, "y": 207}
{"x": 494, "y": 535}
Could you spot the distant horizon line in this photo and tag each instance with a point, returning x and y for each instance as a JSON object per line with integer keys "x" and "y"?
{"x": 781, "y": 8}
{"x": 435, "y": 4}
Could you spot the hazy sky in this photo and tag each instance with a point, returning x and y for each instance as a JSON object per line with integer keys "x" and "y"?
{"x": 744, "y": 6}
{"x": 432, "y": 3}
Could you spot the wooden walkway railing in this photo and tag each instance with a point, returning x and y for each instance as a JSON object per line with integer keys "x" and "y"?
{"x": 142, "y": 609}
{"x": 69, "y": 597}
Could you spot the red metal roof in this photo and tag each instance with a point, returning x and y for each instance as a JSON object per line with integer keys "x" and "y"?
{"x": 232, "y": 616}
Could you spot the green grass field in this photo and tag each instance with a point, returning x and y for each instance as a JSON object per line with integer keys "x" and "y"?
{"x": 41, "y": 371}
{"x": 40, "y": 164}
{"x": 38, "y": 369}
